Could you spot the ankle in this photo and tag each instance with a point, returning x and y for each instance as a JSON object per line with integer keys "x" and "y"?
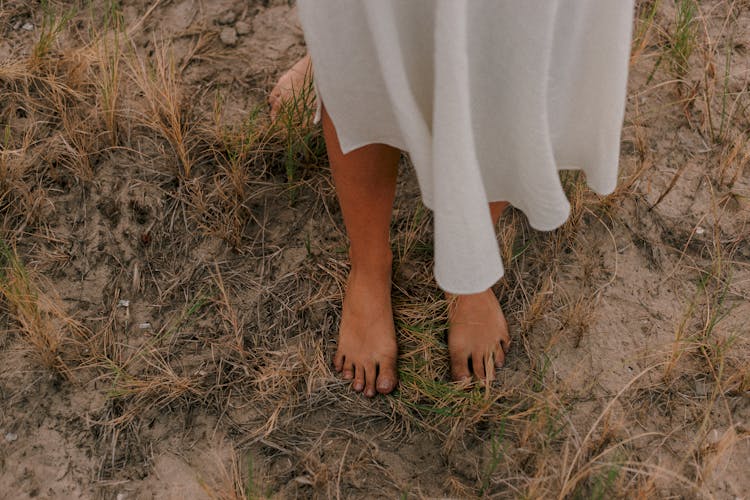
{"x": 464, "y": 301}
{"x": 452, "y": 297}
{"x": 371, "y": 260}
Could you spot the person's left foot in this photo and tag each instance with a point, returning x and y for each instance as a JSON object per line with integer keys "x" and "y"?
{"x": 478, "y": 336}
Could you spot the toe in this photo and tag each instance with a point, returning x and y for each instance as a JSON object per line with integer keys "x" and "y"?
{"x": 387, "y": 377}
{"x": 460, "y": 367}
{"x": 489, "y": 367}
{"x": 348, "y": 370}
{"x": 505, "y": 344}
{"x": 370, "y": 377}
{"x": 477, "y": 363}
{"x": 359, "y": 378}
{"x": 338, "y": 361}
{"x": 499, "y": 356}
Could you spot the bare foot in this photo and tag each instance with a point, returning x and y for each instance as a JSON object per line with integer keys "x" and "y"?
{"x": 293, "y": 85}
{"x": 478, "y": 336}
{"x": 367, "y": 349}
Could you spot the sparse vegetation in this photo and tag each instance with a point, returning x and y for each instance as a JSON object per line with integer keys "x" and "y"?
{"x": 684, "y": 38}
{"x": 171, "y": 270}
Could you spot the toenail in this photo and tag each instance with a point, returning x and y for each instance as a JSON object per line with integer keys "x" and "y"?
{"x": 385, "y": 385}
{"x": 370, "y": 392}
{"x": 358, "y": 386}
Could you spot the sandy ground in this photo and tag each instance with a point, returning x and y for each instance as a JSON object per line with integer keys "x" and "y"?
{"x": 196, "y": 319}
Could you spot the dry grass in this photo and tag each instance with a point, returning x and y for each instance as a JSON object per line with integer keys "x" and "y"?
{"x": 224, "y": 242}
{"x": 49, "y": 333}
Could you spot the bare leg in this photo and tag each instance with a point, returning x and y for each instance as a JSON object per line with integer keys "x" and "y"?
{"x": 365, "y": 181}
{"x": 496, "y": 210}
{"x": 478, "y": 334}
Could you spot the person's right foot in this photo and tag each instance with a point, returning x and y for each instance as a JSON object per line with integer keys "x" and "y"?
{"x": 367, "y": 349}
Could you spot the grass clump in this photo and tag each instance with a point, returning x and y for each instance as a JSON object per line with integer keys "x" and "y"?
{"x": 683, "y": 40}
{"x": 52, "y": 25}
{"x": 51, "y": 336}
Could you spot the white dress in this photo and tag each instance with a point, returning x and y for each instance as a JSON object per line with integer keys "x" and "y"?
{"x": 490, "y": 98}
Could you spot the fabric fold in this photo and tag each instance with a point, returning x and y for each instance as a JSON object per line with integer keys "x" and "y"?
{"x": 489, "y": 98}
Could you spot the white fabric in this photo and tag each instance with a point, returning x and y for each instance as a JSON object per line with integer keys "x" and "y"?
{"x": 489, "y": 97}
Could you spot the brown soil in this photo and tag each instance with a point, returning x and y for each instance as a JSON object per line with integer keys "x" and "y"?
{"x": 172, "y": 282}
